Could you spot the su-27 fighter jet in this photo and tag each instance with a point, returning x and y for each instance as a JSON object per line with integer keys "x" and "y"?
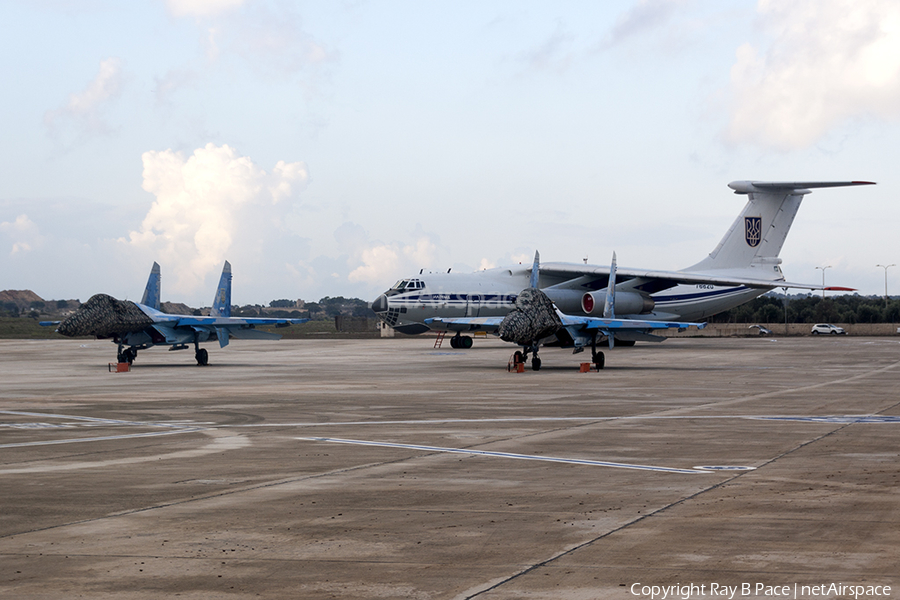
{"x": 536, "y": 318}
{"x": 139, "y": 325}
{"x": 743, "y": 266}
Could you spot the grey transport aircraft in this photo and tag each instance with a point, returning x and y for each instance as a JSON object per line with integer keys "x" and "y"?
{"x": 743, "y": 266}
{"x": 139, "y": 325}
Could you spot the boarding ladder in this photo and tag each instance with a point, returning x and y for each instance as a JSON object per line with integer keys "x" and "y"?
{"x": 439, "y": 339}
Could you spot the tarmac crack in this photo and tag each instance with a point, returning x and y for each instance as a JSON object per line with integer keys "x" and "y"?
{"x": 569, "y": 551}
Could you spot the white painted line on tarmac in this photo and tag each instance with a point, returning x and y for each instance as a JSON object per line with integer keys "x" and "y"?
{"x": 572, "y": 461}
{"x": 799, "y": 418}
{"x": 166, "y": 428}
{"x": 102, "y": 438}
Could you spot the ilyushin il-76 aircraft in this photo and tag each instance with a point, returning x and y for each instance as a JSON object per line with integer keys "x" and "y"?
{"x": 139, "y": 325}
{"x": 744, "y": 265}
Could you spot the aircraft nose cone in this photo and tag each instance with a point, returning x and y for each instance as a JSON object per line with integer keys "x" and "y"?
{"x": 380, "y": 304}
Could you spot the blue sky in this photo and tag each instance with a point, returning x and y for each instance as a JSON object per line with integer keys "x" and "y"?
{"x": 330, "y": 148}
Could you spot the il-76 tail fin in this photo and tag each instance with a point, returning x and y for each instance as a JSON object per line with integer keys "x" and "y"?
{"x": 757, "y": 235}
{"x": 151, "y": 295}
{"x": 222, "y": 302}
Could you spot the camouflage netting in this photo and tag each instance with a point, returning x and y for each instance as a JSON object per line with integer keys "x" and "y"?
{"x": 104, "y": 316}
{"x": 533, "y": 318}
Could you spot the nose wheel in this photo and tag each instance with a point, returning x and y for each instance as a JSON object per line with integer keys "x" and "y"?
{"x": 520, "y": 357}
{"x": 126, "y": 355}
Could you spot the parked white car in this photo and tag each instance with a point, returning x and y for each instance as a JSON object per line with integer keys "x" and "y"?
{"x": 762, "y": 330}
{"x": 827, "y": 328}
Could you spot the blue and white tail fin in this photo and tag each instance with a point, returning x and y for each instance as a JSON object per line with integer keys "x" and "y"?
{"x": 222, "y": 302}
{"x": 755, "y": 238}
{"x": 609, "y": 307}
{"x": 151, "y": 295}
{"x": 535, "y": 270}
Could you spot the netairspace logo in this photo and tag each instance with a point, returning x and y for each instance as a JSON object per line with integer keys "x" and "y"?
{"x": 758, "y": 590}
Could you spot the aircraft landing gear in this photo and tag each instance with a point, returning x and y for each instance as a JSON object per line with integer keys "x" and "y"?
{"x": 535, "y": 359}
{"x": 126, "y": 355}
{"x": 460, "y": 341}
{"x": 597, "y": 356}
{"x": 520, "y": 357}
{"x": 202, "y": 357}
{"x": 200, "y": 354}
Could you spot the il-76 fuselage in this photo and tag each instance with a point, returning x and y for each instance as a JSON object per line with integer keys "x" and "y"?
{"x": 493, "y": 292}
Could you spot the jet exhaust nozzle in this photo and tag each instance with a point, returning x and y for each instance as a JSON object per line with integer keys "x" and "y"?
{"x": 627, "y": 303}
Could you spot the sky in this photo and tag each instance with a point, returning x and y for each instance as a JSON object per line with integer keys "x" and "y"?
{"x": 331, "y": 148}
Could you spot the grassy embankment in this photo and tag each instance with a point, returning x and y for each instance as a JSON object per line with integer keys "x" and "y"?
{"x": 26, "y": 328}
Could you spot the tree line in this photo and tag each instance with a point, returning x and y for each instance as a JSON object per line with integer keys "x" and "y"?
{"x": 852, "y": 309}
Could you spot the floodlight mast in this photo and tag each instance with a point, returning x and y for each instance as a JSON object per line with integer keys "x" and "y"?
{"x": 886, "y": 267}
{"x": 823, "y": 278}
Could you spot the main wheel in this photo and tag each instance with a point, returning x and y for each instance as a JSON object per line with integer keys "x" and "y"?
{"x": 454, "y": 342}
{"x": 599, "y": 360}
{"x": 465, "y": 342}
{"x": 202, "y": 357}
{"x": 536, "y": 363}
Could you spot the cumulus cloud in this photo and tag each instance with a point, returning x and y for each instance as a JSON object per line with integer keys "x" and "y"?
{"x": 201, "y": 8}
{"x": 86, "y": 108}
{"x": 212, "y": 203}
{"x": 22, "y": 234}
{"x": 386, "y": 262}
{"x": 829, "y": 61}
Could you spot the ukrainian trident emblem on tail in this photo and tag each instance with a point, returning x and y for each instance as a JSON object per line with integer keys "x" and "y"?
{"x": 753, "y": 231}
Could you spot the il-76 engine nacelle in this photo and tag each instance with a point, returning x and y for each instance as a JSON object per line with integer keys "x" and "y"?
{"x": 627, "y": 303}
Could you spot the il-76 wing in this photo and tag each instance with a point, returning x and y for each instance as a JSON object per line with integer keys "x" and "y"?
{"x": 569, "y": 271}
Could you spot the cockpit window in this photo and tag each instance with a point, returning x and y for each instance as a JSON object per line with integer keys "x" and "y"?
{"x": 409, "y": 284}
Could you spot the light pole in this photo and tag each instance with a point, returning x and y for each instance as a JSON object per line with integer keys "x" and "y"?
{"x": 823, "y": 278}
{"x": 885, "y": 267}
{"x": 785, "y": 310}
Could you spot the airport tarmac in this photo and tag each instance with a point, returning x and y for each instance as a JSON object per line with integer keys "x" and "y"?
{"x": 387, "y": 468}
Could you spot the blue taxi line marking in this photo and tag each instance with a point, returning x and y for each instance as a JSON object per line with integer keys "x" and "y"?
{"x": 573, "y": 461}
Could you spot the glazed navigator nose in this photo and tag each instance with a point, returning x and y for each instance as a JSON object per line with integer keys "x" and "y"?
{"x": 380, "y": 304}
